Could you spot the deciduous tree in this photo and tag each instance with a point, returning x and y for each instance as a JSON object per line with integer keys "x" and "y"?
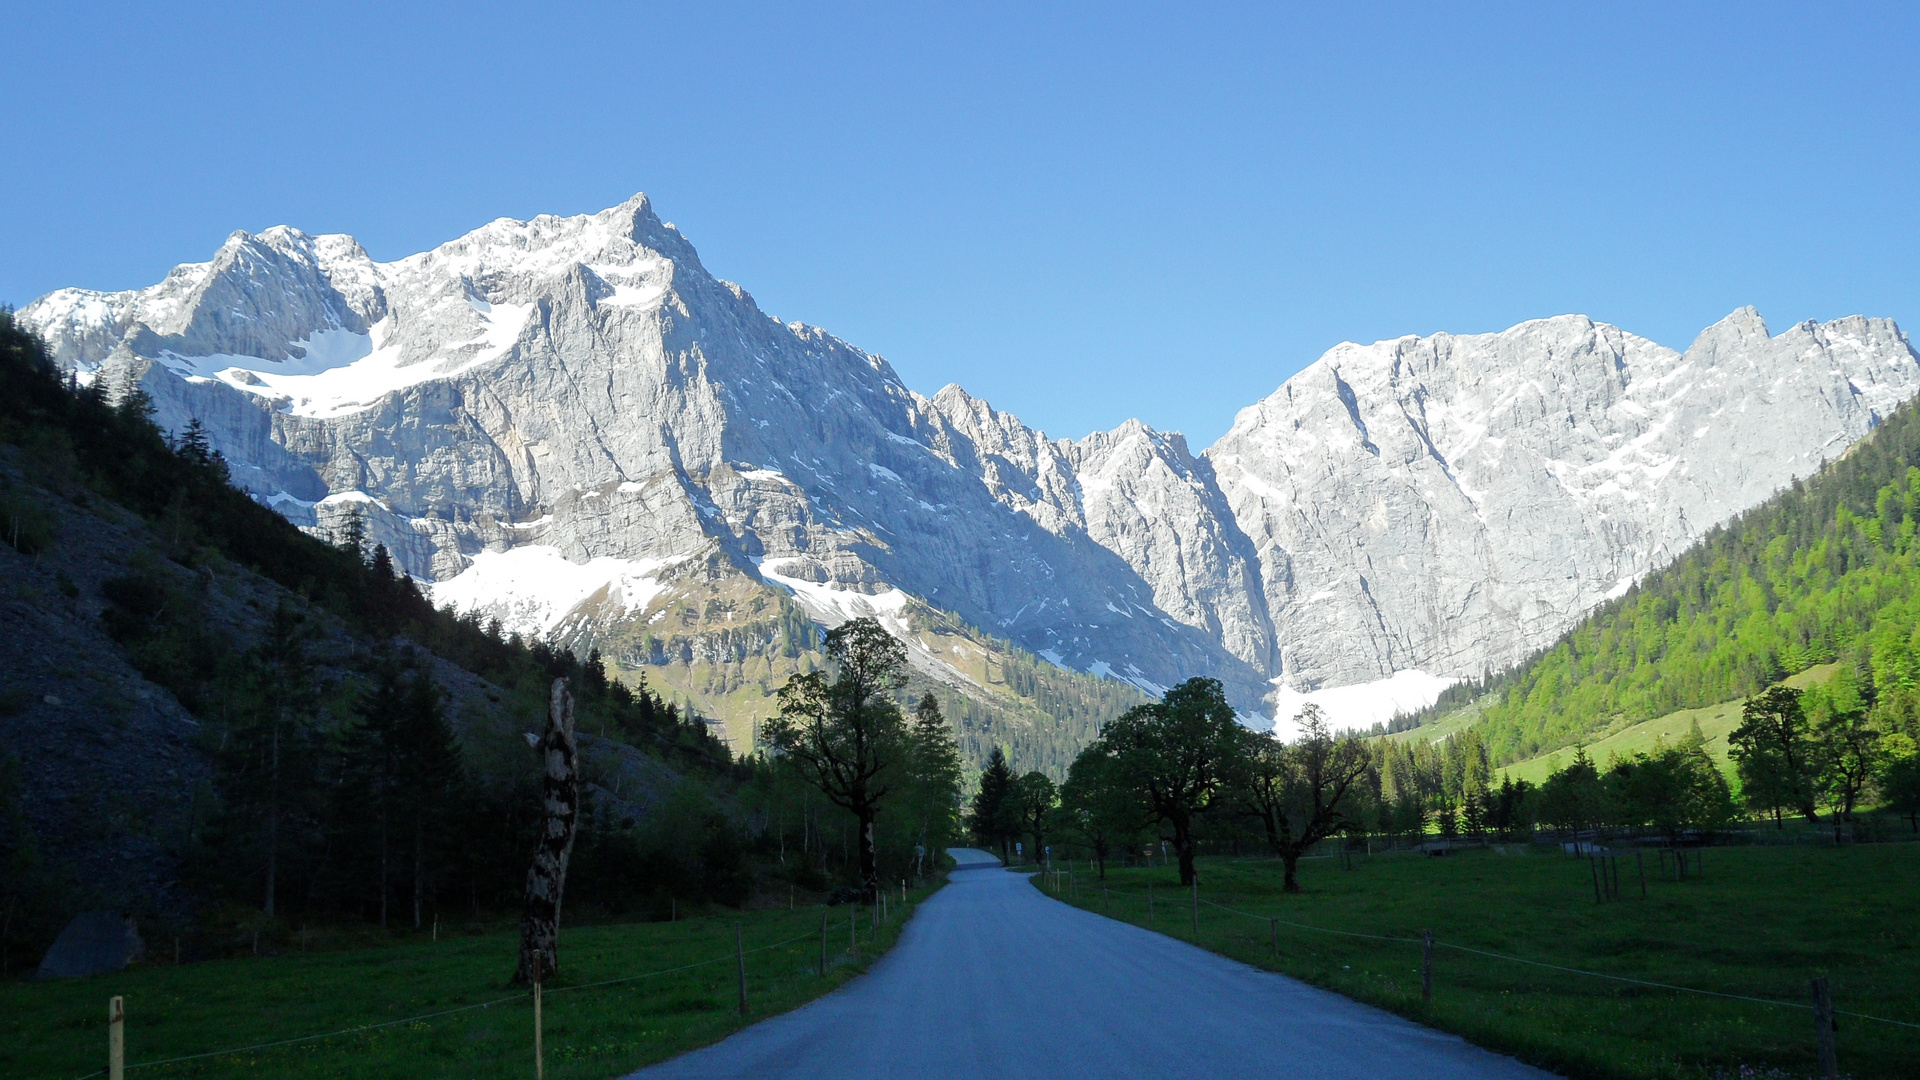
{"x": 1900, "y": 777}
{"x": 1774, "y": 754}
{"x": 846, "y": 734}
{"x": 1034, "y": 799}
{"x": 1296, "y": 789}
{"x": 1097, "y": 804}
{"x": 1177, "y": 754}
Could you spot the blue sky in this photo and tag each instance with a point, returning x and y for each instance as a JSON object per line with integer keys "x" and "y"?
{"x": 1081, "y": 214}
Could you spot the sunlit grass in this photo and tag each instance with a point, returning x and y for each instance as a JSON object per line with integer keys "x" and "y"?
{"x": 1762, "y": 922}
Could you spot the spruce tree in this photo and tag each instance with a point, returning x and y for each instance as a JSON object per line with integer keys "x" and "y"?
{"x": 936, "y": 776}
{"x": 372, "y": 773}
{"x": 990, "y": 802}
{"x": 431, "y": 777}
{"x": 268, "y": 758}
{"x": 404, "y": 774}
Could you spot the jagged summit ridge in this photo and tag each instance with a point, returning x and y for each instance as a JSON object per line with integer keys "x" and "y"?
{"x": 1451, "y": 503}
{"x": 568, "y": 419}
{"x": 583, "y": 384}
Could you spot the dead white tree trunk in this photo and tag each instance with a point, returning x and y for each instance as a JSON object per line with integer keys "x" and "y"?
{"x": 540, "y": 933}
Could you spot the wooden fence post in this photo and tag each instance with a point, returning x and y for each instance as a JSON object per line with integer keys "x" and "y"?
{"x": 853, "y": 932}
{"x": 1640, "y": 861}
{"x": 1823, "y": 1027}
{"x": 1196, "y": 908}
{"x": 740, "y": 965}
{"x": 1426, "y": 967}
{"x": 539, "y": 1050}
{"x": 116, "y": 1038}
{"x": 823, "y": 943}
{"x": 1273, "y": 931}
{"x": 1149, "y": 903}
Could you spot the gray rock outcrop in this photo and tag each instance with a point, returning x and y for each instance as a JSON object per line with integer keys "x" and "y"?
{"x": 1451, "y": 504}
{"x": 94, "y": 943}
{"x": 583, "y": 386}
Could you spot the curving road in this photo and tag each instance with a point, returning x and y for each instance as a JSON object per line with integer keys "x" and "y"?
{"x": 994, "y": 979}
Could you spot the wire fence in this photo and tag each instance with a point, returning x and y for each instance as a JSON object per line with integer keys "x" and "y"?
{"x": 1439, "y": 944}
{"x": 523, "y": 995}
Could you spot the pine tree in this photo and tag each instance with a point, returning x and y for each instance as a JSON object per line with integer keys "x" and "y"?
{"x": 287, "y": 674}
{"x": 404, "y": 771}
{"x": 194, "y": 445}
{"x": 353, "y": 535}
{"x": 266, "y": 763}
{"x": 936, "y": 779}
{"x": 990, "y": 801}
{"x": 372, "y": 771}
{"x": 431, "y": 777}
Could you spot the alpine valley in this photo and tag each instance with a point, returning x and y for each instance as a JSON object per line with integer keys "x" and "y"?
{"x": 569, "y": 425}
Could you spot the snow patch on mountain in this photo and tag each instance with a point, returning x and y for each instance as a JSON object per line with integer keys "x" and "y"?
{"x": 831, "y": 604}
{"x": 344, "y": 372}
{"x": 532, "y": 588}
{"x": 1361, "y": 705}
{"x": 1436, "y": 506}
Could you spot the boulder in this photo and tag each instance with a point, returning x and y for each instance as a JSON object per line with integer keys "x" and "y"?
{"x": 94, "y": 943}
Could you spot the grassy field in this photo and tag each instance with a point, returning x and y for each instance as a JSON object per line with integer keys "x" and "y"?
{"x": 1442, "y": 728}
{"x": 1716, "y": 723}
{"x": 1760, "y": 923}
{"x": 58, "y": 1029}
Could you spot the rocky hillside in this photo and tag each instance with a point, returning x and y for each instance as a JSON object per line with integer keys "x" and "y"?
{"x": 570, "y": 425}
{"x": 192, "y": 692}
{"x": 1452, "y": 504}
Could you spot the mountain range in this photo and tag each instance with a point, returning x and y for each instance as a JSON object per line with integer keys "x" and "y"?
{"x": 568, "y": 424}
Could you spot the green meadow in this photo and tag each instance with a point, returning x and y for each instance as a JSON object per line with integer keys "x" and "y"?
{"x": 593, "y": 1028}
{"x": 1758, "y": 922}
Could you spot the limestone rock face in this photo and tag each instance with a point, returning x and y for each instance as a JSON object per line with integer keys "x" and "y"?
{"x": 1451, "y": 504}
{"x": 554, "y": 418}
{"x": 583, "y": 384}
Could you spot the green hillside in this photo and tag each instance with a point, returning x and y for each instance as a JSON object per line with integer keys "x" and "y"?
{"x": 1825, "y": 571}
{"x": 1715, "y": 721}
{"x": 236, "y": 733}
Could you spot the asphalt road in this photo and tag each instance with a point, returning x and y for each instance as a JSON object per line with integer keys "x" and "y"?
{"x": 994, "y": 979}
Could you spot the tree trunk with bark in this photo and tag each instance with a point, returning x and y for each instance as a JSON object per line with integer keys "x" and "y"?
{"x": 1183, "y": 848}
{"x": 546, "y": 878}
{"x": 273, "y": 817}
{"x": 869, "y": 855}
{"x": 418, "y": 856}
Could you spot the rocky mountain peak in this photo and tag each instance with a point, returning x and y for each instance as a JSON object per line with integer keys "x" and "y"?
{"x": 568, "y": 422}
{"x": 1733, "y": 336}
{"x": 1449, "y": 504}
